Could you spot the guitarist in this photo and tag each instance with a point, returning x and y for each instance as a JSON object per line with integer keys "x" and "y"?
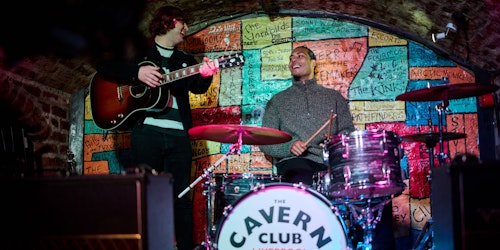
{"x": 160, "y": 140}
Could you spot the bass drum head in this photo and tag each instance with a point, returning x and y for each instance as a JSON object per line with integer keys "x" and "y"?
{"x": 282, "y": 216}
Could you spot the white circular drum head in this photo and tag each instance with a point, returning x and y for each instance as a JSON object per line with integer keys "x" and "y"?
{"x": 281, "y": 216}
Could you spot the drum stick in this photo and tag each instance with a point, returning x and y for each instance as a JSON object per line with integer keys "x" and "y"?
{"x": 330, "y": 123}
{"x": 322, "y": 127}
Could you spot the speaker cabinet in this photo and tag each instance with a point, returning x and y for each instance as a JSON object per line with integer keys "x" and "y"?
{"x": 465, "y": 206}
{"x": 132, "y": 211}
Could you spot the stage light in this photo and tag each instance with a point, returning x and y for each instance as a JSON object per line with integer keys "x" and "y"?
{"x": 438, "y": 36}
{"x": 449, "y": 27}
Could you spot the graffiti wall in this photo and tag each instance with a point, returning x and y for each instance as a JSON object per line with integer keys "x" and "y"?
{"x": 368, "y": 66}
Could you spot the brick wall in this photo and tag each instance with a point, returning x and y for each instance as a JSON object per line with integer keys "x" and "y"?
{"x": 43, "y": 113}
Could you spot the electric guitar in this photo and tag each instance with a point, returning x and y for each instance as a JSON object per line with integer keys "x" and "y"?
{"x": 116, "y": 106}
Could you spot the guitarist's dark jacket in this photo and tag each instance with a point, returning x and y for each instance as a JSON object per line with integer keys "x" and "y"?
{"x": 127, "y": 73}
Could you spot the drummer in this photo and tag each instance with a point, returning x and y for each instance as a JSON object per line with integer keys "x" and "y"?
{"x": 301, "y": 110}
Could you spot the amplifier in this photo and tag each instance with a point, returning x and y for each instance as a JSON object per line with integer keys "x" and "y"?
{"x": 465, "y": 209}
{"x": 132, "y": 211}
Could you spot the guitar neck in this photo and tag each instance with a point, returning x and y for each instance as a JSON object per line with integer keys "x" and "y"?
{"x": 181, "y": 73}
{"x": 222, "y": 62}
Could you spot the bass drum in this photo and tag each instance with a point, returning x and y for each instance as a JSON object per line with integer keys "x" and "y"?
{"x": 282, "y": 216}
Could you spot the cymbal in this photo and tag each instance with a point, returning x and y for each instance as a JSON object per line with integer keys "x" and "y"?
{"x": 230, "y": 133}
{"x": 447, "y": 92}
{"x": 432, "y": 137}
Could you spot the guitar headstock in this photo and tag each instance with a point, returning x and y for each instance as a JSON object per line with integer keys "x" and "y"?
{"x": 230, "y": 61}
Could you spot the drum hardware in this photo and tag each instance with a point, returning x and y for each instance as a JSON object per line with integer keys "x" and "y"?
{"x": 364, "y": 174}
{"x": 210, "y": 184}
{"x": 431, "y": 138}
{"x": 227, "y": 133}
{"x": 367, "y": 215}
{"x": 424, "y": 239}
{"x": 445, "y": 93}
{"x": 442, "y": 93}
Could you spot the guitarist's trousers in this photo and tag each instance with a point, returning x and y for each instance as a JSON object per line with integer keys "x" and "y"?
{"x": 168, "y": 153}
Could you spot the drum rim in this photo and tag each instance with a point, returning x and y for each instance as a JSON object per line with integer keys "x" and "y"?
{"x": 358, "y": 133}
{"x": 334, "y": 210}
{"x": 246, "y": 175}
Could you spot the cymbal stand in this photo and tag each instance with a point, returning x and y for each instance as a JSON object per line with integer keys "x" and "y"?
{"x": 210, "y": 192}
{"x": 441, "y": 108}
{"x": 424, "y": 239}
{"x": 430, "y": 144}
{"x": 426, "y": 235}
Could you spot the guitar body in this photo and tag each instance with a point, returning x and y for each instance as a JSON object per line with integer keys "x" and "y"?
{"x": 117, "y": 106}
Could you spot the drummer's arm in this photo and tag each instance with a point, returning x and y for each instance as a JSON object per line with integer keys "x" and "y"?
{"x": 278, "y": 151}
{"x": 271, "y": 120}
{"x": 343, "y": 121}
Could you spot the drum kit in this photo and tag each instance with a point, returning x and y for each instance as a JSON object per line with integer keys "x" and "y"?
{"x": 259, "y": 211}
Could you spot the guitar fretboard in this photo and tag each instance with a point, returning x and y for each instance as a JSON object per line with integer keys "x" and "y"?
{"x": 222, "y": 63}
{"x": 181, "y": 73}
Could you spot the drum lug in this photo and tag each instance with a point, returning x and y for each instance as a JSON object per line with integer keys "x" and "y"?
{"x": 345, "y": 154}
{"x": 383, "y": 147}
{"x": 326, "y": 184}
{"x": 347, "y": 175}
{"x": 326, "y": 154}
{"x": 386, "y": 170}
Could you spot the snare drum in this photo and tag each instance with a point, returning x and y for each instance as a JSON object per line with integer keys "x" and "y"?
{"x": 282, "y": 216}
{"x": 364, "y": 165}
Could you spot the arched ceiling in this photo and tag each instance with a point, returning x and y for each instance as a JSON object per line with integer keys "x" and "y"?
{"x": 57, "y": 43}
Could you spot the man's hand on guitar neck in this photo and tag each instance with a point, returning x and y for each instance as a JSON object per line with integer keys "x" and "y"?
{"x": 209, "y": 67}
{"x": 150, "y": 75}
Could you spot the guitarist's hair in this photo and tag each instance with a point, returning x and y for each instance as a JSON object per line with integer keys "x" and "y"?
{"x": 163, "y": 19}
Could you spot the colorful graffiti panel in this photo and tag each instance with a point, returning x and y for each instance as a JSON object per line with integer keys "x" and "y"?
{"x": 370, "y": 67}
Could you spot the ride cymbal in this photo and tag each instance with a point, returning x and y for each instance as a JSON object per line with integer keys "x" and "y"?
{"x": 230, "y": 133}
{"x": 447, "y": 92}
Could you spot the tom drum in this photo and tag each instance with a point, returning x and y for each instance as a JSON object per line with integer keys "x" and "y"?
{"x": 364, "y": 165}
{"x": 231, "y": 187}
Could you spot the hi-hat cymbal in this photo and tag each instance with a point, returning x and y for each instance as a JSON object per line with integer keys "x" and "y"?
{"x": 432, "y": 137}
{"x": 230, "y": 133}
{"x": 447, "y": 92}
